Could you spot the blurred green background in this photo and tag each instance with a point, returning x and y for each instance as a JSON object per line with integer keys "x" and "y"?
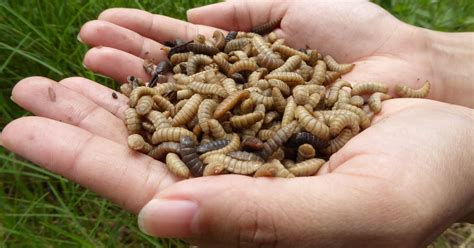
{"x": 40, "y": 209}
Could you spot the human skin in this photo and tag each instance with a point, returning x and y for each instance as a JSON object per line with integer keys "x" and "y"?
{"x": 401, "y": 182}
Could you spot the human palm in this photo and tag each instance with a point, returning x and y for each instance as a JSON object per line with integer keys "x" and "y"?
{"x": 379, "y": 188}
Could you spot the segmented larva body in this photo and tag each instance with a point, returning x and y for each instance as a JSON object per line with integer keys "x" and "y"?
{"x": 267, "y": 92}
{"x": 302, "y": 92}
{"x": 202, "y": 49}
{"x": 221, "y": 61}
{"x": 144, "y": 105}
{"x": 179, "y": 105}
{"x": 230, "y": 102}
{"x": 289, "y": 113}
{"x": 257, "y": 74}
{"x": 208, "y": 89}
{"x": 178, "y": 58}
{"x": 305, "y": 71}
{"x": 271, "y": 37}
{"x": 234, "y": 165}
{"x": 206, "y": 108}
{"x": 305, "y": 152}
{"x": 258, "y": 98}
{"x": 314, "y": 100}
{"x": 307, "y": 167}
{"x": 158, "y": 119}
{"x": 126, "y": 89}
{"x": 245, "y": 156}
{"x": 265, "y": 134}
{"x": 282, "y": 86}
{"x": 177, "y": 166}
{"x": 305, "y": 137}
{"x": 160, "y": 151}
{"x": 290, "y": 78}
{"x": 278, "y": 139}
{"x": 229, "y": 86}
{"x": 216, "y": 130}
{"x": 338, "y": 142}
{"x": 165, "y": 88}
{"x": 266, "y": 57}
{"x": 319, "y": 73}
{"x": 243, "y": 65}
{"x": 213, "y": 169}
{"x": 184, "y": 94}
{"x": 238, "y": 78}
{"x": 357, "y": 101}
{"x": 334, "y": 66}
{"x": 233, "y": 145}
{"x": 338, "y": 120}
{"x": 247, "y": 120}
{"x": 138, "y": 92}
{"x": 375, "y": 101}
{"x": 132, "y": 120}
{"x": 270, "y": 116}
{"x": 288, "y": 163}
{"x": 343, "y": 96}
{"x": 314, "y": 57}
{"x": 196, "y": 62}
{"x": 147, "y": 126}
{"x": 266, "y": 27}
{"x": 170, "y": 134}
{"x": 334, "y": 91}
{"x": 219, "y": 39}
{"x": 247, "y": 106}
{"x": 287, "y": 51}
{"x": 190, "y": 156}
{"x": 405, "y": 91}
{"x": 212, "y": 145}
{"x": 189, "y": 110}
{"x": 163, "y": 104}
{"x": 240, "y": 55}
{"x": 252, "y": 144}
{"x": 137, "y": 143}
{"x": 332, "y": 76}
{"x": 273, "y": 169}
{"x": 236, "y": 44}
{"x": 364, "y": 119}
{"x": 311, "y": 124}
{"x": 291, "y": 64}
{"x": 368, "y": 88}
{"x": 230, "y": 36}
{"x": 252, "y": 131}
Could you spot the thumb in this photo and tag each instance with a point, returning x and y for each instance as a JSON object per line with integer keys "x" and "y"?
{"x": 237, "y": 15}
{"x": 233, "y": 210}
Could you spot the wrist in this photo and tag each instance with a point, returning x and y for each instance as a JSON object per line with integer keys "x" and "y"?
{"x": 450, "y": 56}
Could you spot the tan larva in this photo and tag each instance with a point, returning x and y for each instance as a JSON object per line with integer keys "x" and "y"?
{"x": 334, "y": 66}
{"x": 243, "y": 65}
{"x": 188, "y": 111}
{"x": 163, "y": 104}
{"x": 267, "y": 92}
{"x": 314, "y": 56}
{"x": 307, "y": 167}
{"x": 405, "y": 91}
{"x": 302, "y": 92}
{"x": 314, "y": 100}
{"x": 126, "y": 89}
{"x": 305, "y": 71}
{"x": 273, "y": 169}
{"x": 279, "y": 101}
{"x": 213, "y": 169}
{"x": 196, "y": 62}
{"x": 334, "y": 91}
{"x": 282, "y": 86}
{"x": 177, "y": 166}
{"x": 375, "y": 101}
{"x": 291, "y": 64}
{"x": 247, "y": 120}
{"x": 338, "y": 120}
{"x": 245, "y": 156}
{"x": 252, "y": 131}
{"x": 343, "y": 96}
{"x": 160, "y": 151}
{"x": 289, "y": 113}
{"x": 233, "y": 145}
{"x": 222, "y": 62}
{"x": 137, "y": 143}
{"x": 278, "y": 139}
{"x": 266, "y": 57}
{"x": 241, "y": 55}
{"x": 357, "y": 101}
{"x": 247, "y": 106}
{"x": 178, "y": 58}
{"x": 138, "y": 92}
{"x": 144, "y": 105}
{"x": 184, "y": 94}
{"x": 265, "y": 134}
{"x": 229, "y": 85}
{"x": 364, "y": 119}
{"x": 287, "y": 51}
{"x": 234, "y": 165}
{"x": 290, "y": 78}
{"x": 319, "y": 73}
{"x": 171, "y": 134}
{"x": 179, "y": 106}
{"x": 338, "y": 142}
{"x": 257, "y": 74}
{"x": 368, "y": 88}
{"x": 270, "y": 116}
{"x": 208, "y": 89}
{"x": 132, "y": 120}
{"x": 230, "y": 102}
{"x": 147, "y": 126}
{"x": 311, "y": 124}
{"x": 288, "y": 163}
{"x": 236, "y": 44}
{"x": 332, "y": 76}
{"x": 216, "y": 129}
{"x": 258, "y": 98}
{"x": 158, "y": 120}
{"x": 206, "y": 108}
{"x": 219, "y": 38}
{"x": 305, "y": 152}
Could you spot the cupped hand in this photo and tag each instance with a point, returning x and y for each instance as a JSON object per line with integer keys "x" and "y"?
{"x": 383, "y": 48}
{"x": 388, "y": 186}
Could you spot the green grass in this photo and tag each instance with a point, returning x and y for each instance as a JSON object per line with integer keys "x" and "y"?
{"x": 38, "y": 208}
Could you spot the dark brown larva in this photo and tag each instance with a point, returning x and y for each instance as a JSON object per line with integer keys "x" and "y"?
{"x": 307, "y": 138}
{"x": 278, "y": 139}
{"x": 190, "y": 156}
{"x": 160, "y": 151}
{"x": 266, "y": 27}
{"x": 230, "y": 36}
{"x": 252, "y": 144}
{"x": 213, "y": 145}
{"x": 202, "y": 49}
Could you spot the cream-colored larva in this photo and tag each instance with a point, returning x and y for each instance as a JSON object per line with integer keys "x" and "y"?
{"x": 375, "y": 101}
{"x": 405, "y": 91}
{"x": 177, "y": 166}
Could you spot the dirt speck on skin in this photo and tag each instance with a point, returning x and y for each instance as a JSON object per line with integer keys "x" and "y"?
{"x": 51, "y": 94}
{"x": 114, "y": 95}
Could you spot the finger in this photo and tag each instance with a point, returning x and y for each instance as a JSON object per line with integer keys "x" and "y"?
{"x": 110, "y": 169}
{"x": 114, "y": 63}
{"x": 237, "y": 15}
{"x": 99, "y": 94}
{"x": 44, "y": 97}
{"x": 102, "y": 33}
{"x": 156, "y": 27}
{"x": 238, "y": 211}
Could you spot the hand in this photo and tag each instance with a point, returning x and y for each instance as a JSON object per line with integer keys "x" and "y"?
{"x": 383, "y": 48}
{"x": 387, "y": 186}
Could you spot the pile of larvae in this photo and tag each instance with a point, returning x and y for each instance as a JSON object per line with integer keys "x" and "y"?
{"x": 245, "y": 103}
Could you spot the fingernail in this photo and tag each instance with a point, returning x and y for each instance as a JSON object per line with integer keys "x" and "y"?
{"x": 167, "y": 218}
{"x": 1, "y": 143}
{"x": 79, "y": 38}
{"x": 11, "y": 98}
{"x": 84, "y": 65}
